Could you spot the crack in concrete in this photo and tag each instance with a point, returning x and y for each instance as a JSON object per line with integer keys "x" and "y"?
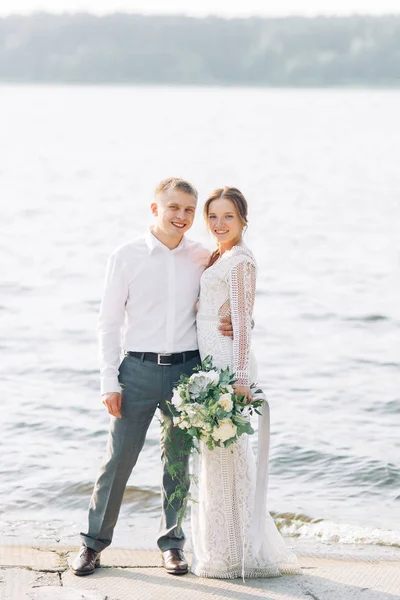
{"x": 33, "y": 569}
{"x": 130, "y": 567}
{"x": 63, "y": 568}
{"x": 308, "y": 593}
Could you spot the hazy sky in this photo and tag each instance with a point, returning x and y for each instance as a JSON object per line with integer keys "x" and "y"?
{"x": 203, "y": 7}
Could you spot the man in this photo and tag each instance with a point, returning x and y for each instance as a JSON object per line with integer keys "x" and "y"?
{"x": 151, "y": 289}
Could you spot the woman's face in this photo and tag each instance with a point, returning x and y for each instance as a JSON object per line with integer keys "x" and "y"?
{"x": 224, "y": 222}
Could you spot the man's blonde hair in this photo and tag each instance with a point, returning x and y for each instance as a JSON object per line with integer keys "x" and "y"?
{"x": 175, "y": 183}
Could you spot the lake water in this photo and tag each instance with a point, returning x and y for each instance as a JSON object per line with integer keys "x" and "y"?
{"x": 321, "y": 173}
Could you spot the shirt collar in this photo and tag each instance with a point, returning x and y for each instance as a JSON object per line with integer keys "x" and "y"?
{"x": 152, "y": 243}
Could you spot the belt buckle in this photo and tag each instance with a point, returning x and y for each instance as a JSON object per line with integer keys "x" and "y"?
{"x": 165, "y": 364}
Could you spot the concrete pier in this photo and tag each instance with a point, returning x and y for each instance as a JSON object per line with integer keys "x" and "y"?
{"x": 29, "y": 573}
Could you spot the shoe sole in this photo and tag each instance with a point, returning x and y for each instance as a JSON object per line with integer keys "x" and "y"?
{"x": 173, "y": 572}
{"x": 83, "y": 573}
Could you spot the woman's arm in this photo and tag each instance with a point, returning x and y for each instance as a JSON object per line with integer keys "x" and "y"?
{"x": 242, "y": 289}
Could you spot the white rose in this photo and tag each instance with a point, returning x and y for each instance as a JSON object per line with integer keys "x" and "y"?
{"x": 229, "y": 389}
{"x": 177, "y": 400}
{"x": 212, "y": 375}
{"x": 225, "y": 431}
{"x": 183, "y": 425}
{"x": 225, "y": 401}
{"x": 197, "y": 377}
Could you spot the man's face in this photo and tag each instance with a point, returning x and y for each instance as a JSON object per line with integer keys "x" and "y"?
{"x": 174, "y": 212}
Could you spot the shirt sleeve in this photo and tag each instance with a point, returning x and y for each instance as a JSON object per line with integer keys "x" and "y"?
{"x": 242, "y": 290}
{"x": 110, "y": 322}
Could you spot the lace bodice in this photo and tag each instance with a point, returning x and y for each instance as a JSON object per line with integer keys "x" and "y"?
{"x": 228, "y": 290}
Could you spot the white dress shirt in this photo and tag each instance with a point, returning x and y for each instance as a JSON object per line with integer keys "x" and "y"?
{"x": 149, "y": 302}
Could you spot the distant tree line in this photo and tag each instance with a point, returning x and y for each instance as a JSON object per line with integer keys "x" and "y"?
{"x": 122, "y": 48}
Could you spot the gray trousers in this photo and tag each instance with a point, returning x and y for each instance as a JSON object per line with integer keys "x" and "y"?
{"x": 145, "y": 386}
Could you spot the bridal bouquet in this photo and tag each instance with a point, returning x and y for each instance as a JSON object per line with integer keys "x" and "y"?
{"x": 205, "y": 406}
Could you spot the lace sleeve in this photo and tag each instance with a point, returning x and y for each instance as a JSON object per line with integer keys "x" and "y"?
{"x": 242, "y": 289}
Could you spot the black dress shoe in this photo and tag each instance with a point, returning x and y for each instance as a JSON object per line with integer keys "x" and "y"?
{"x": 174, "y": 562}
{"x": 86, "y": 562}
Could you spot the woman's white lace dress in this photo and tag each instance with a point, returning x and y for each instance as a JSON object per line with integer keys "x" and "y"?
{"x": 229, "y": 539}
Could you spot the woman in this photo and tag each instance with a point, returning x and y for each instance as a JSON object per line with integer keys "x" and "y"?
{"x": 233, "y": 533}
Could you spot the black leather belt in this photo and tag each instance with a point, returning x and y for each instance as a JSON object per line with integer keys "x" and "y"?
{"x": 166, "y": 359}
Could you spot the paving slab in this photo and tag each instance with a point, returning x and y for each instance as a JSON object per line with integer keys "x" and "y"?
{"x": 34, "y": 558}
{"x": 345, "y": 580}
{"x": 320, "y": 580}
{"x": 156, "y": 584}
{"x": 19, "y": 584}
{"x": 137, "y": 575}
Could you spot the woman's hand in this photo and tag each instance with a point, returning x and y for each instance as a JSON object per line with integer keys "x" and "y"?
{"x": 243, "y": 390}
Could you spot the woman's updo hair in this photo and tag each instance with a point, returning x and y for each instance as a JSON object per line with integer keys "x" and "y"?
{"x": 240, "y": 203}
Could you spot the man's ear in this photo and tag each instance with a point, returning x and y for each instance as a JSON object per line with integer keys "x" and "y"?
{"x": 154, "y": 208}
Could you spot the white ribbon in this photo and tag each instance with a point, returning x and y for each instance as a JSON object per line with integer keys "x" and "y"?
{"x": 256, "y": 531}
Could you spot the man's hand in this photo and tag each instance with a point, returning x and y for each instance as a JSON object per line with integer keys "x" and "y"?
{"x": 226, "y": 327}
{"x": 112, "y": 402}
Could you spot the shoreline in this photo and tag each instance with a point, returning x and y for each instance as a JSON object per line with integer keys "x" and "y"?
{"x": 133, "y": 532}
{"x": 43, "y": 573}
{"x": 144, "y": 540}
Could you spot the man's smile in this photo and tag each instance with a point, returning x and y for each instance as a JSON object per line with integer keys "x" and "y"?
{"x": 178, "y": 225}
